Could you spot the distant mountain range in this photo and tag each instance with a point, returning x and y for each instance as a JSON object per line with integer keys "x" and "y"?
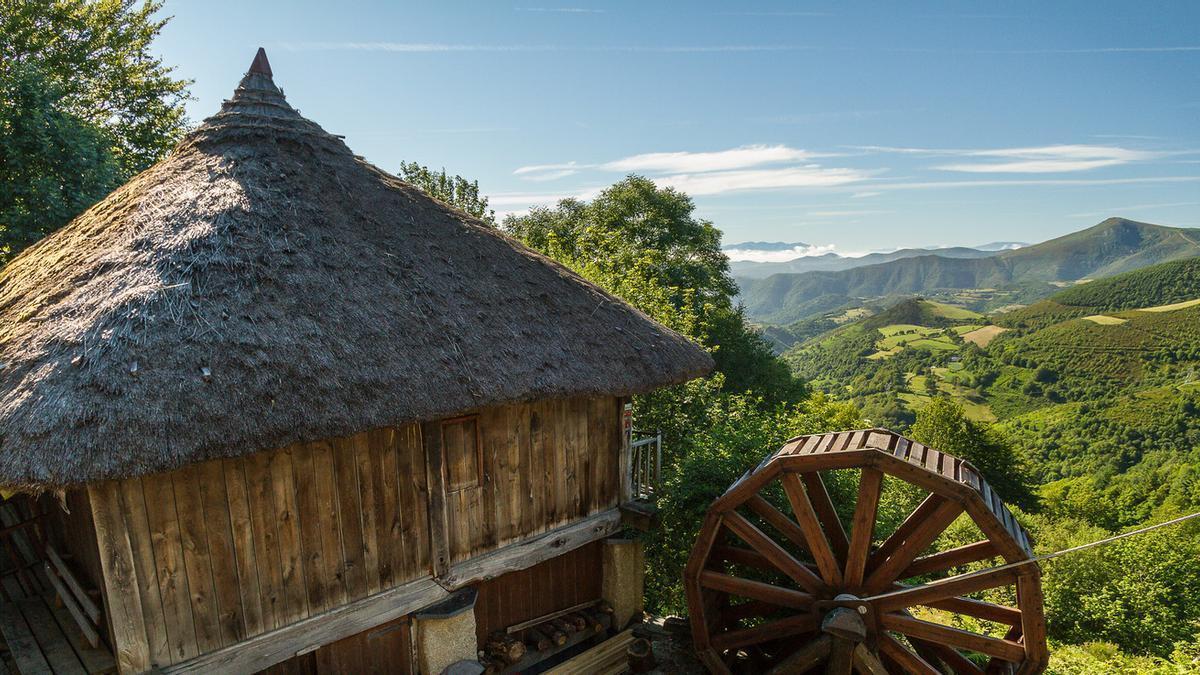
{"x": 1115, "y": 245}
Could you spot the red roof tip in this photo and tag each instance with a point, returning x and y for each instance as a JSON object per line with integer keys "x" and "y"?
{"x": 261, "y": 65}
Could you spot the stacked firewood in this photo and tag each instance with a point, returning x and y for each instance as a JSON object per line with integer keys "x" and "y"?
{"x": 504, "y": 649}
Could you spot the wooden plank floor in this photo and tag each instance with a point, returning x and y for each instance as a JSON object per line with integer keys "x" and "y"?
{"x": 43, "y": 639}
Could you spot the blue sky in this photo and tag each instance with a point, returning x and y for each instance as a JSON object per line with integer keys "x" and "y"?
{"x": 851, "y": 126}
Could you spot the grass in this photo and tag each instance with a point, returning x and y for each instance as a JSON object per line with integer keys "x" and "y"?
{"x": 1105, "y": 320}
{"x": 1172, "y": 307}
{"x": 960, "y": 330}
{"x": 983, "y": 336}
{"x": 952, "y": 312}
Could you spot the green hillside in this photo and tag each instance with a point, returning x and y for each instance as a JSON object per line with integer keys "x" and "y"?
{"x": 1018, "y": 276}
{"x": 1164, "y": 284}
{"x": 1095, "y": 376}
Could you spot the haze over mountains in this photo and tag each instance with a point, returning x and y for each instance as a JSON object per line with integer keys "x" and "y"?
{"x": 830, "y": 261}
{"x": 975, "y": 278}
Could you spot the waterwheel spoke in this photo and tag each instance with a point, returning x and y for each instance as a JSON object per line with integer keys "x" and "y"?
{"x": 943, "y": 589}
{"x": 805, "y": 658}
{"x": 918, "y": 540}
{"x": 778, "y": 520}
{"x": 823, "y": 506}
{"x": 979, "y": 609}
{"x": 742, "y": 556}
{"x": 776, "y": 554}
{"x": 914, "y": 519}
{"x": 960, "y": 664}
{"x": 862, "y": 528}
{"x": 755, "y": 590}
{"x": 909, "y": 661}
{"x": 841, "y": 658}
{"x": 945, "y": 560}
{"x": 867, "y": 663}
{"x": 793, "y": 625}
{"x": 807, "y": 519}
{"x": 953, "y": 637}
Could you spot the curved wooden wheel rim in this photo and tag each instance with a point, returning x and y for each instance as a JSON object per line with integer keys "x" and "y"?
{"x": 847, "y": 582}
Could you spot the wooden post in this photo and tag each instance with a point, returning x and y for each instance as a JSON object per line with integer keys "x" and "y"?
{"x": 625, "y": 461}
{"x": 435, "y": 474}
{"x": 120, "y": 582}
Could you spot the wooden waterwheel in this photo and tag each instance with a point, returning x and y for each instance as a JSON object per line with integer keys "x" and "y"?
{"x": 779, "y": 592}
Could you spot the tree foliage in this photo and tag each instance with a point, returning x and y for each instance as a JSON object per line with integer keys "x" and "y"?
{"x": 96, "y": 54}
{"x": 83, "y": 106}
{"x": 53, "y": 165}
{"x": 644, "y": 244}
{"x": 943, "y": 424}
{"x": 454, "y": 190}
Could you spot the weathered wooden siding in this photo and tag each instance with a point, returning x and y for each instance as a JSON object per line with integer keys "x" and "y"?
{"x": 556, "y": 584}
{"x": 545, "y": 464}
{"x": 206, "y": 556}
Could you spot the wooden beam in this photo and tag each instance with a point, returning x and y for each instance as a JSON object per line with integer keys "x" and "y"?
{"x": 867, "y": 663}
{"x": 804, "y": 659}
{"x": 910, "y": 662}
{"x": 979, "y": 609}
{"x": 125, "y": 618}
{"x": 906, "y": 528}
{"x": 780, "y": 558}
{"x": 778, "y": 520}
{"x": 773, "y": 630}
{"x": 263, "y": 651}
{"x": 806, "y": 517}
{"x": 918, "y": 540}
{"x": 757, "y": 590}
{"x": 953, "y": 637}
{"x": 435, "y": 480}
{"x": 823, "y": 506}
{"x": 523, "y": 554}
{"x": 943, "y": 589}
{"x": 862, "y": 528}
{"x": 960, "y": 664}
{"x": 944, "y": 560}
{"x": 1033, "y": 620}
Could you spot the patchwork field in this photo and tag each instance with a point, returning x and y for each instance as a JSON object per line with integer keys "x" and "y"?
{"x": 983, "y": 336}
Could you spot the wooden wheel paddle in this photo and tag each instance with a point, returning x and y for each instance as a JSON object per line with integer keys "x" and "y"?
{"x": 770, "y": 591}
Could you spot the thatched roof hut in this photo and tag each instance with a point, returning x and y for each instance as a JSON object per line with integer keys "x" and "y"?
{"x": 262, "y": 286}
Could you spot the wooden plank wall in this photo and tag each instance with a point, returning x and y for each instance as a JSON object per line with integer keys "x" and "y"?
{"x": 206, "y": 556}
{"x": 568, "y": 580}
{"x": 545, "y": 464}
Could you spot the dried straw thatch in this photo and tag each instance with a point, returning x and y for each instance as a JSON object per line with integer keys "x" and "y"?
{"x": 263, "y": 286}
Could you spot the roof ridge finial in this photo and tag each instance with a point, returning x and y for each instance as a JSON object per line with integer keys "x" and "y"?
{"x": 260, "y": 64}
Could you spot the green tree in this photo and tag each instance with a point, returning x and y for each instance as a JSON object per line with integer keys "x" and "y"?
{"x": 97, "y": 55}
{"x": 452, "y": 189}
{"x": 645, "y": 244}
{"x": 83, "y": 106}
{"x": 53, "y": 165}
{"x": 943, "y": 424}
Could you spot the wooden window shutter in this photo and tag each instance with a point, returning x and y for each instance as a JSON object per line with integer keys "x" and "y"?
{"x": 463, "y": 453}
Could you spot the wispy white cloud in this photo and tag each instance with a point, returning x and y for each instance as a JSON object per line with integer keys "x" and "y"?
{"x": 784, "y": 255}
{"x": 561, "y": 10}
{"x": 719, "y": 182}
{"x": 450, "y": 47}
{"x": 547, "y": 172}
{"x": 1038, "y": 159}
{"x": 1033, "y": 166}
{"x": 688, "y": 162}
{"x": 923, "y": 185}
{"x": 747, "y": 167}
{"x": 847, "y": 213}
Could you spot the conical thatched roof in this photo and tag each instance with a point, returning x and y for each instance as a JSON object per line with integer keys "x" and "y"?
{"x": 263, "y": 286}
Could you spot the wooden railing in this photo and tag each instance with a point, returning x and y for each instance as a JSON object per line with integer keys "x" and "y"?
{"x": 646, "y": 465}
